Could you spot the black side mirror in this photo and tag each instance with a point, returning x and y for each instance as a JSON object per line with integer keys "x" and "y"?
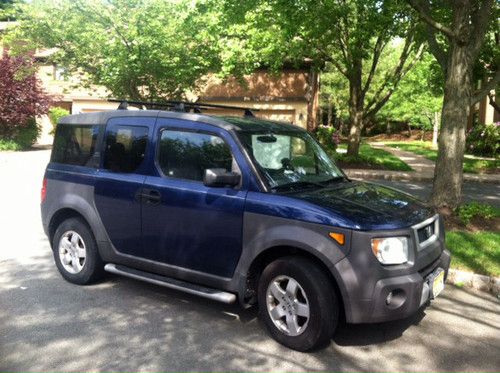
{"x": 219, "y": 177}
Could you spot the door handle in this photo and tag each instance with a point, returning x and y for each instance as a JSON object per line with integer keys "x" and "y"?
{"x": 148, "y": 196}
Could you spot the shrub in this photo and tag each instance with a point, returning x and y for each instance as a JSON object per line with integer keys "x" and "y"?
{"x": 28, "y": 134}
{"x": 327, "y": 136}
{"x": 56, "y": 113}
{"x": 484, "y": 139}
{"x": 469, "y": 211}
{"x": 9, "y": 145}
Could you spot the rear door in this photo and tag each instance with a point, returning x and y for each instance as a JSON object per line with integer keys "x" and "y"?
{"x": 190, "y": 225}
{"x": 120, "y": 179}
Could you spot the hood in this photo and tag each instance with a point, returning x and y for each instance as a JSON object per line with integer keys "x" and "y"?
{"x": 370, "y": 206}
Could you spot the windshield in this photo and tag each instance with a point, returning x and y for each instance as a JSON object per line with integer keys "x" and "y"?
{"x": 290, "y": 159}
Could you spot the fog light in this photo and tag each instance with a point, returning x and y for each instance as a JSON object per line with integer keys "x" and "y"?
{"x": 388, "y": 300}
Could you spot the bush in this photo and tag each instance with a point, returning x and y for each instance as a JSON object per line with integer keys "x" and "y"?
{"x": 27, "y": 135}
{"x": 327, "y": 136}
{"x": 469, "y": 211}
{"x": 484, "y": 139}
{"x": 9, "y": 145}
{"x": 56, "y": 113}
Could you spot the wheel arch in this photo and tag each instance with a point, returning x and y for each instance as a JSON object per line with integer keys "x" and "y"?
{"x": 249, "y": 291}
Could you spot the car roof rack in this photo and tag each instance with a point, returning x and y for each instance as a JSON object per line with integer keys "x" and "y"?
{"x": 180, "y": 106}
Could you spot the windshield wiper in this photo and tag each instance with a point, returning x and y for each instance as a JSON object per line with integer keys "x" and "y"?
{"x": 332, "y": 180}
{"x": 298, "y": 184}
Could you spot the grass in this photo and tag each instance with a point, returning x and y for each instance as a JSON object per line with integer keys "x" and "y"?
{"x": 372, "y": 158}
{"x": 477, "y": 252}
{"x": 424, "y": 148}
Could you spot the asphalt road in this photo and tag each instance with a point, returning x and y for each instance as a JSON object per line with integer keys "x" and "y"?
{"x": 47, "y": 324}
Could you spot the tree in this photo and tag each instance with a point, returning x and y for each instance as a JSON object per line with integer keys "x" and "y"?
{"x": 21, "y": 95}
{"x": 7, "y": 10}
{"x": 137, "y": 49}
{"x": 419, "y": 96}
{"x": 455, "y": 32}
{"x": 343, "y": 33}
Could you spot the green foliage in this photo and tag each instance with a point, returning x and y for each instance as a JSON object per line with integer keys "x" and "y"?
{"x": 22, "y": 138}
{"x": 372, "y": 158}
{"x": 9, "y": 145}
{"x": 484, "y": 139}
{"x": 27, "y": 135}
{"x": 56, "y": 113}
{"x": 327, "y": 136}
{"x": 137, "y": 49}
{"x": 469, "y": 211}
{"x": 477, "y": 252}
{"x": 418, "y": 97}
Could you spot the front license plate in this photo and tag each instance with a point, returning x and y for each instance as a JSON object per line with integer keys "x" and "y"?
{"x": 438, "y": 284}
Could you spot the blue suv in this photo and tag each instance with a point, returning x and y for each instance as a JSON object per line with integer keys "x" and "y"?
{"x": 237, "y": 209}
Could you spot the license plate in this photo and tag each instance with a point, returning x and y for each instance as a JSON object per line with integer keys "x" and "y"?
{"x": 438, "y": 284}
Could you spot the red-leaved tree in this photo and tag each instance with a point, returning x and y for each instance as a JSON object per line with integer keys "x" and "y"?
{"x": 22, "y": 97}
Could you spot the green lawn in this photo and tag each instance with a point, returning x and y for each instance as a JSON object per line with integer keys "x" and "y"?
{"x": 372, "y": 158}
{"x": 477, "y": 252}
{"x": 424, "y": 148}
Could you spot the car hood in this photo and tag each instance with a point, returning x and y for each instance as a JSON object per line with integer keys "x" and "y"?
{"x": 369, "y": 206}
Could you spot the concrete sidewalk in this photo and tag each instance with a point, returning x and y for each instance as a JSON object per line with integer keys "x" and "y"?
{"x": 423, "y": 169}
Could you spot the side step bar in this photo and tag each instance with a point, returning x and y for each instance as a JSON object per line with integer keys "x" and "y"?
{"x": 214, "y": 294}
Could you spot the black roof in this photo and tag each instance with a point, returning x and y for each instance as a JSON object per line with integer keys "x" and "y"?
{"x": 226, "y": 122}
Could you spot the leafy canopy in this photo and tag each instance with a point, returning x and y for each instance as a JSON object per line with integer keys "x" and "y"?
{"x": 137, "y": 49}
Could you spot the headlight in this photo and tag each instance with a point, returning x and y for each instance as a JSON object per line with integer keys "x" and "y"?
{"x": 391, "y": 250}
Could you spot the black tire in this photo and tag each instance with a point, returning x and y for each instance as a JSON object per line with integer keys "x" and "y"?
{"x": 319, "y": 295}
{"x": 93, "y": 267}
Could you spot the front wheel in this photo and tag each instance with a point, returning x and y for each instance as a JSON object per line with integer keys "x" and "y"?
{"x": 297, "y": 303}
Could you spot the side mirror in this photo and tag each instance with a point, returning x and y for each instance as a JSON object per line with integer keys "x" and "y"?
{"x": 219, "y": 177}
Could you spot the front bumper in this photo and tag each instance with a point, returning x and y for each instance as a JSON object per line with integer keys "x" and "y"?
{"x": 366, "y": 285}
{"x": 410, "y": 292}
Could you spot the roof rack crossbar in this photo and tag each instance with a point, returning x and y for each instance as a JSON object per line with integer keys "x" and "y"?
{"x": 182, "y": 106}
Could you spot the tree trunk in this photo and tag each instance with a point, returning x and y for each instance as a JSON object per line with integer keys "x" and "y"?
{"x": 330, "y": 112}
{"x": 312, "y": 100}
{"x": 356, "y": 112}
{"x": 448, "y": 175}
{"x": 435, "y": 130}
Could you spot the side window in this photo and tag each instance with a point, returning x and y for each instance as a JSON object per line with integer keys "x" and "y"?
{"x": 75, "y": 144}
{"x": 125, "y": 148}
{"x": 186, "y": 155}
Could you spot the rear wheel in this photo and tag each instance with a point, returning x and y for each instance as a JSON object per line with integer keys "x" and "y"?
{"x": 75, "y": 252}
{"x": 297, "y": 303}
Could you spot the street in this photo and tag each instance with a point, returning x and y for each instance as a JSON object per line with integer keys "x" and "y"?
{"x": 48, "y": 324}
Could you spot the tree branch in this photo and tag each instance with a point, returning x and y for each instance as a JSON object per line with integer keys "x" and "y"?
{"x": 487, "y": 88}
{"x": 436, "y": 49}
{"x": 397, "y": 71}
{"x": 402, "y": 72}
{"x": 493, "y": 103}
{"x": 480, "y": 20}
{"x": 377, "y": 50}
{"x": 424, "y": 13}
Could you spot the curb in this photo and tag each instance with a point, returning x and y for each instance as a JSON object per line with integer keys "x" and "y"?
{"x": 472, "y": 280}
{"x": 405, "y": 176}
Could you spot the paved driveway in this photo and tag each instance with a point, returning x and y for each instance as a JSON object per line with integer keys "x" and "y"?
{"x": 47, "y": 324}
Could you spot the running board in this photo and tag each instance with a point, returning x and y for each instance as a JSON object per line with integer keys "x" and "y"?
{"x": 214, "y": 294}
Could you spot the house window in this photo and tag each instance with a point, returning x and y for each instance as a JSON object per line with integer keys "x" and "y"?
{"x": 59, "y": 73}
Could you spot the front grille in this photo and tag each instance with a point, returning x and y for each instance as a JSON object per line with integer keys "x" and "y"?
{"x": 426, "y": 232}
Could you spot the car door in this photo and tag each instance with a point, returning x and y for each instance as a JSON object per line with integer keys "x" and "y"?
{"x": 120, "y": 179}
{"x": 193, "y": 226}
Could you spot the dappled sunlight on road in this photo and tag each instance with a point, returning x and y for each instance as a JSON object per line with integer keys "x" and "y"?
{"x": 47, "y": 324}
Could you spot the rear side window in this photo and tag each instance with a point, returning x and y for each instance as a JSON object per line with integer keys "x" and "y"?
{"x": 75, "y": 145}
{"x": 186, "y": 155}
{"x": 125, "y": 148}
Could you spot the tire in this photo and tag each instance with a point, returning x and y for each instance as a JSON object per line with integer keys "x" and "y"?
{"x": 286, "y": 320}
{"x": 75, "y": 252}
